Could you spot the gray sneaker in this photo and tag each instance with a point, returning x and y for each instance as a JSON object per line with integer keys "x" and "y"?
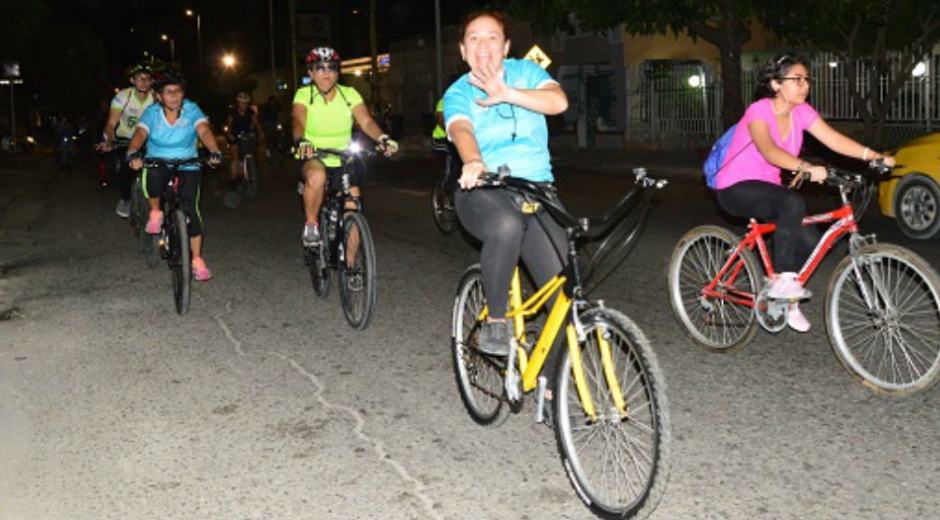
{"x": 311, "y": 235}
{"x": 494, "y": 338}
{"x": 123, "y": 208}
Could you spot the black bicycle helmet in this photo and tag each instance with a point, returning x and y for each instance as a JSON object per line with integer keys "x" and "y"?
{"x": 167, "y": 77}
{"x": 322, "y": 54}
{"x": 139, "y": 68}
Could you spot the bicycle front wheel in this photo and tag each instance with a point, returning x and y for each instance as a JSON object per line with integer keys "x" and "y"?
{"x": 180, "y": 261}
{"x": 883, "y": 318}
{"x": 357, "y": 277}
{"x": 442, "y": 205}
{"x": 251, "y": 172}
{"x": 723, "y": 322}
{"x": 618, "y": 461}
{"x": 479, "y": 377}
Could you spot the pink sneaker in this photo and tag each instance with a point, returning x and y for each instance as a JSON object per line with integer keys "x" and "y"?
{"x": 155, "y": 222}
{"x": 785, "y": 286}
{"x": 200, "y": 271}
{"x": 796, "y": 320}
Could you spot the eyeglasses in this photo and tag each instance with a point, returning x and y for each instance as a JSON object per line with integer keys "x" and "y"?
{"x": 172, "y": 91}
{"x": 326, "y": 67}
{"x": 800, "y": 80}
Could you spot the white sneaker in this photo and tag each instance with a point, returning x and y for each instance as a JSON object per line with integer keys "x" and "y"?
{"x": 300, "y": 188}
{"x": 796, "y": 320}
{"x": 785, "y": 286}
{"x": 123, "y": 208}
{"x": 311, "y": 234}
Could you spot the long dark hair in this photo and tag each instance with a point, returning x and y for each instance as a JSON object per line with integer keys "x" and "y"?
{"x": 775, "y": 69}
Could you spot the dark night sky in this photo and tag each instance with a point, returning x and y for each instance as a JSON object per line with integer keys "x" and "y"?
{"x": 131, "y": 26}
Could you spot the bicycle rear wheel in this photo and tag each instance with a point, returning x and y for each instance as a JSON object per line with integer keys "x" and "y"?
{"x": 357, "y": 277}
{"x": 883, "y": 319}
{"x": 716, "y": 323}
{"x": 180, "y": 261}
{"x": 479, "y": 377}
{"x": 442, "y": 205}
{"x": 619, "y": 462}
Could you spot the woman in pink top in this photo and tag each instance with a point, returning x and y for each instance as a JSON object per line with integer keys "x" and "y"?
{"x": 767, "y": 139}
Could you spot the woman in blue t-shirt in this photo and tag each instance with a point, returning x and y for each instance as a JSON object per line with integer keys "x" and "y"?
{"x": 495, "y": 116}
{"x": 170, "y": 129}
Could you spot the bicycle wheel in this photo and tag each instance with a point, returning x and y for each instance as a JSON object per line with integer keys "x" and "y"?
{"x": 180, "y": 261}
{"x": 442, "y": 205}
{"x": 883, "y": 318}
{"x": 618, "y": 463}
{"x": 479, "y": 377}
{"x": 715, "y": 323}
{"x": 357, "y": 272}
{"x": 317, "y": 261}
{"x": 251, "y": 172}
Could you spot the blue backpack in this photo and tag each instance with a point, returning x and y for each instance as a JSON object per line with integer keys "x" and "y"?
{"x": 713, "y": 163}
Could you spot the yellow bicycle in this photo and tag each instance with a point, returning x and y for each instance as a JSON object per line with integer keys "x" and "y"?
{"x": 603, "y": 392}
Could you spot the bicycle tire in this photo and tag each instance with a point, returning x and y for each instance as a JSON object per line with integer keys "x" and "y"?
{"x": 317, "y": 261}
{"x": 619, "y": 465}
{"x": 442, "y": 207}
{"x": 479, "y": 377}
{"x": 892, "y": 346}
{"x": 251, "y": 170}
{"x": 357, "y": 283}
{"x": 715, "y": 324}
{"x": 180, "y": 261}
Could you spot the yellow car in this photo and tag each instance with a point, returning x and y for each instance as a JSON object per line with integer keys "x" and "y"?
{"x": 912, "y": 194}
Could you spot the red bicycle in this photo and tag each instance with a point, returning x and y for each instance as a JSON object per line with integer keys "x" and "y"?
{"x": 882, "y": 303}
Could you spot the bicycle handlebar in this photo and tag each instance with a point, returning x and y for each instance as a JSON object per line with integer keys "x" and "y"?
{"x": 589, "y": 227}
{"x": 173, "y": 164}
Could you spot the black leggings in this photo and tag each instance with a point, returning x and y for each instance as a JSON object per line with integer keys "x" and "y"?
{"x": 507, "y": 234}
{"x": 768, "y": 202}
{"x": 156, "y": 179}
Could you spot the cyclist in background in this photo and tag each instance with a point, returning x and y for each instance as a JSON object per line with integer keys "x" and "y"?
{"x": 243, "y": 119}
{"x": 126, "y": 108}
{"x": 443, "y": 148}
{"x": 170, "y": 129}
{"x": 270, "y": 122}
{"x": 323, "y": 114}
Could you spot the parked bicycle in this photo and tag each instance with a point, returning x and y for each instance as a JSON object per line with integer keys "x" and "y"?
{"x": 345, "y": 246}
{"x": 173, "y": 240}
{"x": 608, "y": 402}
{"x": 882, "y": 302}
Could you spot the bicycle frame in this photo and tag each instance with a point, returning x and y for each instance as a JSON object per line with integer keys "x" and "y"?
{"x": 531, "y": 365}
{"x": 843, "y": 223}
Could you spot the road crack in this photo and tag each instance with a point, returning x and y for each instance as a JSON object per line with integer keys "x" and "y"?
{"x": 378, "y": 446}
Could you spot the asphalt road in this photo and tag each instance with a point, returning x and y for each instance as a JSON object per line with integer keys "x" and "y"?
{"x": 263, "y": 403}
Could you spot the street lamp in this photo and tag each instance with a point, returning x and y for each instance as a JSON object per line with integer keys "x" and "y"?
{"x": 228, "y": 60}
{"x": 190, "y": 12}
{"x": 172, "y": 46}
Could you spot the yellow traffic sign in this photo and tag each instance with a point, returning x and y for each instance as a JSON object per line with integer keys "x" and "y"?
{"x": 537, "y": 55}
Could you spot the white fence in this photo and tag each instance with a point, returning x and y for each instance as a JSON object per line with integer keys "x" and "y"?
{"x": 678, "y": 104}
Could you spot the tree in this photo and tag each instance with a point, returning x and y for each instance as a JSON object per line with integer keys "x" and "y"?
{"x": 722, "y": 23}
{"x": 19, "y": 21}
{"x": 865, "y": 32}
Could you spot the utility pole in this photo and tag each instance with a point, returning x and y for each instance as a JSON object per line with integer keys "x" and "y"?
{"x": 271, "y": 37}
{"x": 292, "y": 5}
{"x": 374, "y": 43}
{"x": 440, "y": 59}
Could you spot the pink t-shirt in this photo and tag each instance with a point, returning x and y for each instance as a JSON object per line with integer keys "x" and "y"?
{"x": 744, "y": 162}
